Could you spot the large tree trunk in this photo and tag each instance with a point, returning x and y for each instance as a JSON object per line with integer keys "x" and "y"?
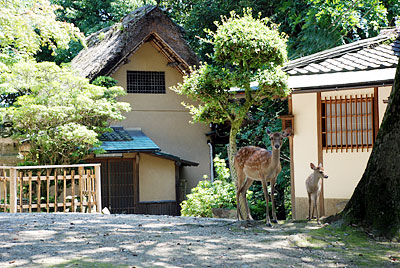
{"x": 375, "y": 203}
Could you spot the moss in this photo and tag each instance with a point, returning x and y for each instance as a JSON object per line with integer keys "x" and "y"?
{"x": 353, "y": 244}
{"x": 89, "y": 264}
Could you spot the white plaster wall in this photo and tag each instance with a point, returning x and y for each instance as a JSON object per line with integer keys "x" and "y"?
{"x": 384, "y": 93}
{"x": 345, "y": 169}
{"x": 156, "y": 179}
{"x": 305, "y": 148}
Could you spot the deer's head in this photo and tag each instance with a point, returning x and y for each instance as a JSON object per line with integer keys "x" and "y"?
{"x": 319, "y": 171}
{"x": 277, "y": 137}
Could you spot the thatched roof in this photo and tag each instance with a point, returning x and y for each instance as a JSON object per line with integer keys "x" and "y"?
{"x": 110, "y": 47}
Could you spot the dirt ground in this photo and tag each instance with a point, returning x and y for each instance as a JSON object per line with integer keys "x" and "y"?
{"x": 96, "y": 240}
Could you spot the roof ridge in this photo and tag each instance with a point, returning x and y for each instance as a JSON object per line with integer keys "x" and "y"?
{"x": 338, "y": 51}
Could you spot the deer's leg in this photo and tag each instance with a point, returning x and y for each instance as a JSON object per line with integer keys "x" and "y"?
{"x": 265, "y": 189}
{"x": 313, "y": 205}
{"x": 274, "y": 218}
{"x": 309, "y": 206}
{"x": 240, "y": 183}
{"x": 316, "y": 208}
{"x": 246, "y": 186}
{"x": 238, "y": 204}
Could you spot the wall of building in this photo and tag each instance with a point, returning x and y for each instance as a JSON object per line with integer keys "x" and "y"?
{"x": 162, "y": 116}
{"x": 304, "y": 138}
{"x": 344, "y": 168}
{"x": 156, "y": 179}
{"x": 8, "y": 152}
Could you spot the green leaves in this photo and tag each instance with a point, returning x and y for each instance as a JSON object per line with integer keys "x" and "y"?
{"x": 28, "y": 25}
{"x": 207, "y": 195}
{"x": 327, "y": 24}
{"x": 59, "y": 114}
{"x": 248, "y": 42}
{"x": 246, "y": 50}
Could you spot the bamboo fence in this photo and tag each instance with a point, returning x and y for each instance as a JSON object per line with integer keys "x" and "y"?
{"x": 67, "y": 188}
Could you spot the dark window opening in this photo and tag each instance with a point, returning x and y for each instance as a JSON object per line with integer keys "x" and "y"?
{"x": 145, "y": 82}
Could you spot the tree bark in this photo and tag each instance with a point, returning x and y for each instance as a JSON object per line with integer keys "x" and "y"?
{"x": 375, "y": 203}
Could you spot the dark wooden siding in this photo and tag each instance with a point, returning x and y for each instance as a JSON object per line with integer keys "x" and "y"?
{"x": 120, "y": 189}
{"x": 158, "y": 208}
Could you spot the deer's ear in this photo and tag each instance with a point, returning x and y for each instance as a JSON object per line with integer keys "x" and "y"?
{"x": 312, "y": 166}
{"x": 287, "y": 132}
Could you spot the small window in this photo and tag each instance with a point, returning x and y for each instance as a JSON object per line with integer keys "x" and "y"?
{"x": 347, "y": 122}
{"x": 145, "y": 82}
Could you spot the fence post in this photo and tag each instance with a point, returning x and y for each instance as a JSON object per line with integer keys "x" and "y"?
{"x": 98, "y": 187}
{"x": 13, "y": 190}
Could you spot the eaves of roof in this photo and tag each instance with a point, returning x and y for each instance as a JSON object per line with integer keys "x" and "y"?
{"x": 367, "y": 62}
{"x": 377, "y": 77}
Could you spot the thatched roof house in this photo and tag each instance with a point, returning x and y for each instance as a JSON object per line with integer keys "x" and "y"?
{"x": 111, "y": 47}
{"x": 156, "y": 155}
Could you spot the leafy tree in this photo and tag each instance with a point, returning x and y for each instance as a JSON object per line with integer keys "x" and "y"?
{"x": 375, "y": 202}
{"x": 93, "y": 15}
{"x": 327, "y": 24}
{"x": 246, "y": 50}
{"x": 28, "y": 25}
{"x": 312, "y": 25}
{"x": 59, "y": 114}
{"x": 196, "y": 15}
{"x": 89, "y": 16}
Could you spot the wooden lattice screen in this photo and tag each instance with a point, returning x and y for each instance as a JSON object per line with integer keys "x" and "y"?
{"x": 73, "y": 188}
{"x": 348, "y": 122}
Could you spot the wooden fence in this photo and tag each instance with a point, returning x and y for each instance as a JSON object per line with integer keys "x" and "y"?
{"x": 68, "y": 188}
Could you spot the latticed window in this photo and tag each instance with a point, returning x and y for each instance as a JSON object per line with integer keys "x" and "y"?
{"x": 347, "y": 122}
{"x": 145, "y": 82}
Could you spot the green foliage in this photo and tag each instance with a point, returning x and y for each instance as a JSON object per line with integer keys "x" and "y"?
{"x": 312, "y": 25}
{"x": 89, "y": 16}
{"x": 28, "y": 25}
{"x": 93, "y": 15}
{"x": 207, "y": 195}
{"x": 105, "y": 81}
{"x": 221, "y": 171}
{"x": 59, "y": 114}
{"x": 332, "y": 23}
{"x": 196, "y": 15}
{"x": 246, "y": 50}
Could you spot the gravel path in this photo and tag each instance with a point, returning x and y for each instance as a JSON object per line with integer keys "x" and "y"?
{"x": 40, "y": 240}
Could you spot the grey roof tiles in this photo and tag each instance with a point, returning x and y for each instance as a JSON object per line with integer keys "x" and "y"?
{"x": 374, "y": 53}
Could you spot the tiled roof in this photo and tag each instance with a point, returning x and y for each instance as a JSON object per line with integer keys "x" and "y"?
{"x": 121, "y": 140}
{"x": 369, "y": 54}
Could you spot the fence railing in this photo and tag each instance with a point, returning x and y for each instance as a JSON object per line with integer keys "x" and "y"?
{"x": 67, "y": 188}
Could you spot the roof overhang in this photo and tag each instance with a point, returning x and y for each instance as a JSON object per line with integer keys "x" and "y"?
{"x": 342, "y": 79}
{"x": 176, "y": 159}
{"x": 174, "y": 60}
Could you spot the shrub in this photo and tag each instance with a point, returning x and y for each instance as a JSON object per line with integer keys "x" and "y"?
{"x": 207, "y": 195}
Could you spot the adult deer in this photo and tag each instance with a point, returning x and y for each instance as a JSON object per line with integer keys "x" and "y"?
{"x": 257, "y": 164}
{"x": 313, "y": 185}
